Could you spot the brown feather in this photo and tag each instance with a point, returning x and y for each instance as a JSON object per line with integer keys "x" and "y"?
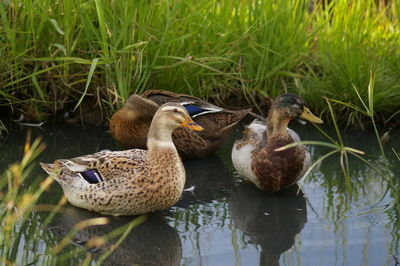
{"x": 122, "y": 125}
{"x": 132, "y": 130}
{"x": 277, "y": 170}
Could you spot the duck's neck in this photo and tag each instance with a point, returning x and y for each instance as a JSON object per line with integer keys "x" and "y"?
{"x": 277, "y": 124}
{"x": 164, "y": 164}
{"x": 159, "y": 137}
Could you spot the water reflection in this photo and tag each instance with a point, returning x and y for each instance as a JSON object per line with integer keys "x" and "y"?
{"x": 207, "y": 179}
{"x": 353, "y": 221}
{"x": 271, "y": 221}
{"x": 152, "y": 242}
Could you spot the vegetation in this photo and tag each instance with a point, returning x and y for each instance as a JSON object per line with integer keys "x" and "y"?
{"x": 381, "y": 168}
{"x": 71, "y": 55}
{"x": 25, "y": 221}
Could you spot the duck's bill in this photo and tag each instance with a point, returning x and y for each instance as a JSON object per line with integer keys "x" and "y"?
{"x": 307, "y": 115}
{"x": 50, "y": 168}
{"x": 189, "y": 123}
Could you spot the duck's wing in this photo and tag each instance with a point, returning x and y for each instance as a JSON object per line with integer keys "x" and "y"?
{"x": 217, "y": 122}
{"x": 162, "y": 96}
{"x": 99, "y": 167}
{"x": 221, "y": 123}
{"x": 195, "y": 106}
{"x": 254, "y": 135}
{"x": 244, "y": 149}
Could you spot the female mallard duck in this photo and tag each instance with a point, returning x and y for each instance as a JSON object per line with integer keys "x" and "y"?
{"x": 254, "y": 156}
{"x": 130, "y": 182}
{"x": 130, "y": 124}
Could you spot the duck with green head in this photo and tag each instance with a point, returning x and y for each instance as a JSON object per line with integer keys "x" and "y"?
{"x": 255, "y": 156}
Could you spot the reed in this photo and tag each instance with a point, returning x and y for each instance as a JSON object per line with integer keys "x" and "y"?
{"x": 17, "y": 203}
{"x": 25, "y": 221}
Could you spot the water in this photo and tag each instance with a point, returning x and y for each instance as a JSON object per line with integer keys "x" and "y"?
{"x": 328, "y": 221}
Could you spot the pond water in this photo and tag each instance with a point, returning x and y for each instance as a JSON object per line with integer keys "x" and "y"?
{"x": 327, "y": 221}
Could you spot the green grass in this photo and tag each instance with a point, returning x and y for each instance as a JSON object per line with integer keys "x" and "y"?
{"x": 354, "y": 40}
{"x": 66, "y": 55}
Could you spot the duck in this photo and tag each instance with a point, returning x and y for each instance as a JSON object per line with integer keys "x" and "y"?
{"x": 129, "y": 182}
{"x": 255, "y": 156}
{"x": 130, "y": 124}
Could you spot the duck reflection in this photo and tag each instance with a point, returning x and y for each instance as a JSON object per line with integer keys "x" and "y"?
{"x": 152, "y": 242}
{"x": 207, "y": 179}
{"x": 269, "y": 220}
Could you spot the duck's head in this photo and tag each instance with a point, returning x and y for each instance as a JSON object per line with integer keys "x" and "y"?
{"x": 174, "y": 115}
{"x": 137, "y": 107}
{"x": 290, "y": 106}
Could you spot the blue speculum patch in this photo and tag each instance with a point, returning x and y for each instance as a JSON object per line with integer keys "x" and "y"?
{"x": 91, "y": 176}
{"x": 193, "y": 109}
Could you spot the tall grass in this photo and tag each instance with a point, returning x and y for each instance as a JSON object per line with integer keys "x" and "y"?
{"x": 24, "y": 220}
{"x": 355, "y": 38}
{"x": 63, "y": 55}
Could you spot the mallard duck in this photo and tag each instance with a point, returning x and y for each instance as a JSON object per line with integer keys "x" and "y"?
{"x": 130, "y": 182}
{"x": 130, "y": 124}
{"x": 254, "y": 156}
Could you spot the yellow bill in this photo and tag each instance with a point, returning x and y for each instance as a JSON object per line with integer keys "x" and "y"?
{"x": 307, "y": 115}
{"x": 189, "y": 123}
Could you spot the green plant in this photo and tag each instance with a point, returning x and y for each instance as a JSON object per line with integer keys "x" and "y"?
{"x": 338, "y": 145}
{"x": 24, "y": 220}
{"x": 353, "y": 38}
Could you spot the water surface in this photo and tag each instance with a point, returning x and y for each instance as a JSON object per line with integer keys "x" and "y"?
{"x": 328, "y": 220}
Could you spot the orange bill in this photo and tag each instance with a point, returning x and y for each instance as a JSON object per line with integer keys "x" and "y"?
{"x": 189, "y": 123}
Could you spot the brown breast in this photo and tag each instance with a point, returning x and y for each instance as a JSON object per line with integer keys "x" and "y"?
{"x": 277, "y": 170}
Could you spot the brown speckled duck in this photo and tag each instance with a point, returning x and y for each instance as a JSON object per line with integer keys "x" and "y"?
{"x": 254, "y": 156}
{"x": 130, "y": 182}
{"x": 131, "y": 123}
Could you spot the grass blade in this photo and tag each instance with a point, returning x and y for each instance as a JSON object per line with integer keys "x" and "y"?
{"x": 90, "y": 75}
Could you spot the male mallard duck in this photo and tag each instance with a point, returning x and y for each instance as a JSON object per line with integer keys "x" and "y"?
{"x": 254, "y": 156}
{"x": 129, "y": 182}
{"x": 130, "y": 124}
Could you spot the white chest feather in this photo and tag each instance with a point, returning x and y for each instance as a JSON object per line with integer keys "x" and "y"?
{"x": 241, "y": 159}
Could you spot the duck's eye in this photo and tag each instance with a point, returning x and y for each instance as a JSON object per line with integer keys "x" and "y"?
{"x": 175, "y": 111}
